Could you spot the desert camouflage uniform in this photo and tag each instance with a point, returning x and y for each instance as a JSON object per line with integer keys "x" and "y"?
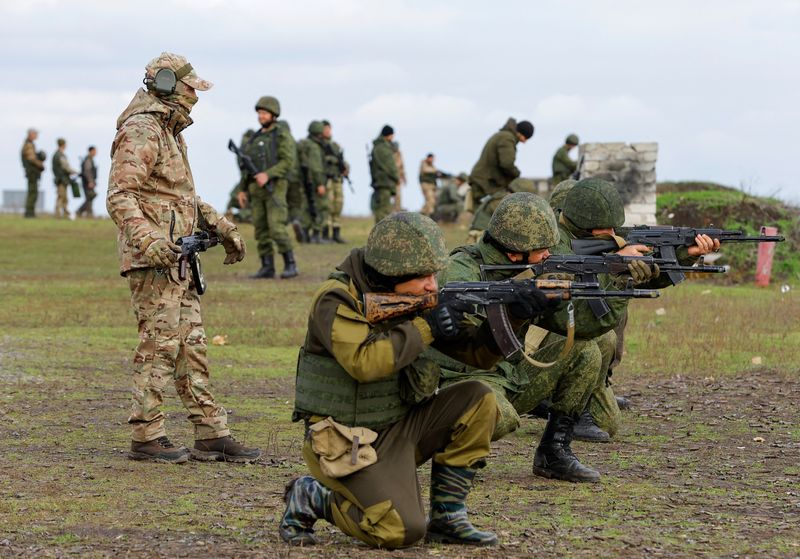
{"x": 150, "y": 191}
{"x": 401, "y": 176}
{"x": 61, "y": 178}
{"x": 427, "y": 182}
{"x": 333, "y": 153}
{"x": 33, "y": 171}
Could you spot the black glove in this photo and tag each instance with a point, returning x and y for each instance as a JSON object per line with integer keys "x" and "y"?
{"x": 530, "y": 302}
{"x": 445, "y": 319}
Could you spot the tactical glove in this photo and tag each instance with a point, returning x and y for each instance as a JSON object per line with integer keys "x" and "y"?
{"x": 234, "y": 247}
{"x": 161, "y": 253}
{"x": 445, "y": 320}
{"x": 641, "y": 272}
{"x": 530, "y": 302}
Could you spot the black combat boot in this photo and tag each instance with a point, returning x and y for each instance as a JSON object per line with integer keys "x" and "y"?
{"x": 554, "y": 457}
{"x": 307, "y": 501}
{"x": 300, "y": 234}
{"x": 326, "y": 237}
{"x": 314, "y": 238}
{"x": 448, "y": 520}
{"x": 158, "y": 450}
{"x": 587, "y": 430}
{"x": 623, "y": 403}
{"x": 267, "y": 270}
{"x": 223, "y": 449}
{"x": 542, "y": 409}
{"x": 289, "y": 265}
{"x": 337, "y": 238}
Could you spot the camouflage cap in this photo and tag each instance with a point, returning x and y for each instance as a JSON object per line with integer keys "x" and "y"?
{"x": 316, "y": 128}
{"x": 522, "y": 185}
{"x": 594, "y": 204}
{"x": 560, "y": 192}
{"x": 523, "y": 222}
{"x": 406, "y": 244}
{"x": 183, "y": 70}
{"x": 572, "y": 140}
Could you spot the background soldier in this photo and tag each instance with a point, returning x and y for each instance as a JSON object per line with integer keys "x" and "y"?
{"x": 496, "y": 166}
{"x": 89, "y": 182}
{"x": 312, "y": 165}
{"x": 485, "y": 210}
{"x": 450, "y": 202}
{"x": 152, "y": 199}
{"x": 385, "y": 176}
{"x": 427, "y": 182}
{"x": 348, "y": 364}
{"x": 273, "y": 151}
{"x": 401, "y": 174}
{"x": 337, "y": 169}
{"x": 297, "y": 197}
{"x": 62, "y": 175}
{"x": 33, "y": 165}
{"x": 563, "y": 166}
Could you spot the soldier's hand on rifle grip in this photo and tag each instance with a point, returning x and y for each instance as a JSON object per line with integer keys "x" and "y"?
{"x": 703, "y": 245}
{"x": 241, "y": 197}
{"x": 234, "y": 247}
{"x": 262, "y": 178}
{"x": 445, "y": 319}
{"x": 530, "y": 302}
{"x": 162, "y": 253}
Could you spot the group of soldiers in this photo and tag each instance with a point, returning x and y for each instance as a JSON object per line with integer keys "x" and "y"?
{"x": 64, "y": 176}
{"x": 378, "y": 394}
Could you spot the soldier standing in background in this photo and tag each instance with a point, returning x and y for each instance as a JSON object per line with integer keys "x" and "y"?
{"x": 61, "y": 177}
{"x": 337, "y": 169}
{"x": 496, "y": 167}
{"x": 401, "y": 174}
{"x": 33, "y": 166}
{"x": 427, "y": 182}
{"x": 563, "y": 166}
{"x": 273, "y": 151}
{"x": 297, "y": 198}
{"x": 89, "y": 182}
{"x": 385, "y": 176}
{"x": 152, "y": 199}
{"x": 312, "y": 165}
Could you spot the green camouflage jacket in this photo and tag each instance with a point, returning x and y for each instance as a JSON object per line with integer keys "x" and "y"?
{"x": 496, "y": 166}
{"x": 333, "y": 154}
{"x": 382, "y": 166}
{"x": 312, "y": 160}
{"x": 150, "y": 181}
{"x": 563, "y": 166}
{"x": 272, "y": 151}
{"x": 61, "y": 168}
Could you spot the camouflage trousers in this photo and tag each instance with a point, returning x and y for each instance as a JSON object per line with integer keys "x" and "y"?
{"x": 33, "y": 195}
{"x": 172, "y": 345}
{"x": 381, "y": 203}
{"x": 335, "y": 202}
{"x": 429, "y": 193}
{"x": 323, "y": 207}
{"x": 61, "y": 201}
{"x": 603, "y": 403}
{"x": 381, "y": 505}
{"x": 397, "y": 202}
{"x": 270, "y": 214}
{"x": 297, "y": 204}
{"x": 520, "y": 386}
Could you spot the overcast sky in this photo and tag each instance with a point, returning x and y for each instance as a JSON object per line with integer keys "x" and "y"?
{"x": 715, "y": 83}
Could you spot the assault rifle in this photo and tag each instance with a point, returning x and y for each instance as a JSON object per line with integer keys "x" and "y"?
{"x": 665, "y": 240}
{"x": 328, "y": 147}
{"x": 191, "y": 245}
{"x": 248, "y": 166}
{"x": 494, "y": 296}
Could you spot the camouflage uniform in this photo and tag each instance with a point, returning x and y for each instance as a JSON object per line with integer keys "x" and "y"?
{"x": 489, "y": 204}
{"x": 449, "y": 203}
{"x": 335, "y": 166}
{"x": 354, "y": 372}
{"x": 33, "y": 166}
{"x": 385, "y": 177}
{"x": 427, "y": 182}
{"x": 89, "y": 183}
{"x": 150, "y": 192}
{"x": 61, "y": 178}
{"x": 496, "y": 166}
{"x": 312, "y": 163}
{"x": 401, "y": 176}
{"x": 563, "y": 165}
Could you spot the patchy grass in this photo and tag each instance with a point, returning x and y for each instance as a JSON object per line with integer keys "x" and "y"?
{"x": 706, "y": 463}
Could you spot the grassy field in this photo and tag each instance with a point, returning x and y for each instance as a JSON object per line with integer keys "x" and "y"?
{"x": 707, "y": 464}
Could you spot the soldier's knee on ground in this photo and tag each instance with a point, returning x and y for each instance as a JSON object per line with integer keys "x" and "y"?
{"x": 380, "y": 525}
{"x": 607, "y": 343}
{"x": 605, "y": 411}
{"x": 508, "y": 419}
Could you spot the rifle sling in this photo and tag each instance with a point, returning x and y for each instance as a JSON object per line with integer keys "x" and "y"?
{"x": 567, "y": 345}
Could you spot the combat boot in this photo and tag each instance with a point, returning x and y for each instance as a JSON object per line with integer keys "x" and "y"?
{"x": 307, "y": 501}
{"x": 158, "y": 450}
{"x": 314, "y": 238}
{"x": 542, "y": 409}
{"x": 326, "y": 237}
{"x": 300, "y": 234}
{"x": 289, "y": 265}
{"x": 267, "y": 270}
{"x": 448, "y": 520}
{"x": 223, "y": 449}
{"x": 554, "y": 457}
{"x": 587, "y": 430}
{"x": 337, "y": 238}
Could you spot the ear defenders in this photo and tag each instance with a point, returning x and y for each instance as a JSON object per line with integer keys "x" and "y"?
{"x": 166, "y": 79}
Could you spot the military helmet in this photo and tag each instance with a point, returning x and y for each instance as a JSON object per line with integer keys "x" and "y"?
{"x": 522, "y": 185}
{"x": 269, "y": 103}
{"x": 524, "y": 222}
{"x": 560, "y": 192}
{"x": 406, "y": 244}
{"x": 41, "y": 155}
{"x": 315, "y": 128}
{"x": 594, "y": 203}
{"x": 572, "y": 140}
{"x": 463, "y": 177}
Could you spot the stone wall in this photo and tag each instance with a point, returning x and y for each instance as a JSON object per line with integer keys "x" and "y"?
{"x": 632, "y": 168}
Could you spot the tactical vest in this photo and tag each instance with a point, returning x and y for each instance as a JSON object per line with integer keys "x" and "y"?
{"x": 264, "y": 157}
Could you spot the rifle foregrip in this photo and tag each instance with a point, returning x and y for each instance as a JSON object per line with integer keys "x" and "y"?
{"x": 182, "y": 268}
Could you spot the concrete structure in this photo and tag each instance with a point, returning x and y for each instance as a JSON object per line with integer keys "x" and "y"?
{"x": 632, "y": 168}
{"x": 14, "y": 201}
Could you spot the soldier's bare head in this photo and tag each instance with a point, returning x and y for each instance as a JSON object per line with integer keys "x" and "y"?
{"x": 33, "y": 133}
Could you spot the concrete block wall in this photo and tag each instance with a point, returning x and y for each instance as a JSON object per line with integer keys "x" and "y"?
{"x": 632, "y": 168}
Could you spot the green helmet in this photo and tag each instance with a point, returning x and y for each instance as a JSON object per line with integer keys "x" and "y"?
{"x": 594, "y": 204}
{"x": 41, "y": 155}
{"x": 406, "y": 244}
{"x": 524, "y": 222}
{"x": 572, "y": 140}
{"x": 560, "y": 192}
{"x": 522, "y": 185}
{"x": 315, "y": 128}
{"x": 269, "y": 103}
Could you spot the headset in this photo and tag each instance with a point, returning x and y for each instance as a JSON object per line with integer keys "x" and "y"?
{"x": 165, "y": 80}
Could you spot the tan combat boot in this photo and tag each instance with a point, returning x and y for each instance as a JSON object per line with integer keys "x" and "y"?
{"x": 223, "y": 449}
{"x": 159, "y": 450}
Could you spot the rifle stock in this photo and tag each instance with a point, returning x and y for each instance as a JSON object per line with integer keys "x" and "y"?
{"x": 383, "y": 306}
